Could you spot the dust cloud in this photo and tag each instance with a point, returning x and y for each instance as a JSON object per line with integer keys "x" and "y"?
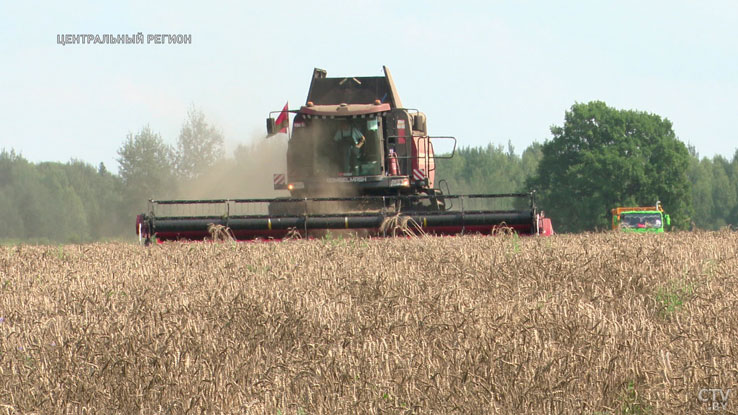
{"x": 245, "y": 174}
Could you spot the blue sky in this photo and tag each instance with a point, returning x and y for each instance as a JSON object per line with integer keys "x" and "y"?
{"x": 483, "y": 71}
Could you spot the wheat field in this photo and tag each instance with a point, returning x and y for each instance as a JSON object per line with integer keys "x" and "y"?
{"x": 595, "y": 323}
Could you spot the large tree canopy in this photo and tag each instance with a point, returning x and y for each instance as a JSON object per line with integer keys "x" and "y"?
{"x": 200, "y": 146}
{"x": 63, "y": 202}
{"x": 603, "y": 158}
{"x": 490, "y": 169}
{"x": 146, "y": 166}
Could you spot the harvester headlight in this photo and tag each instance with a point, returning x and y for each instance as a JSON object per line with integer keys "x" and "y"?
{"x": 296, "y": 185}
{"x": 400, "y": 182}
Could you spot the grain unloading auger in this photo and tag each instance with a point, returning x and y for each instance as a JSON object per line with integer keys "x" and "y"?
{"x": 357, "y": 161}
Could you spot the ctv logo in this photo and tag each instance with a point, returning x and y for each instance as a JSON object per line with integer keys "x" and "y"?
{"x": 716, "y": 399}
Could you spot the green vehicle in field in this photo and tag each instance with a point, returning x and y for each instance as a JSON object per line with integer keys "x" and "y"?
{"x": 640, "y": 219}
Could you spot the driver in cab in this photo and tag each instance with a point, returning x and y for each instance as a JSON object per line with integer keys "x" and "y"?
{"x": 350, "y": 137}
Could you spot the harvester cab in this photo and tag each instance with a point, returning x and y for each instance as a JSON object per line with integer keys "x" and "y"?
{"x": 640, "y": 219}
{"x": 357, "y": 161}
{"x": 353, "y": 137}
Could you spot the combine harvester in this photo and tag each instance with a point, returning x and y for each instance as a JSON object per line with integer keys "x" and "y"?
{"x": 358, "y": 162}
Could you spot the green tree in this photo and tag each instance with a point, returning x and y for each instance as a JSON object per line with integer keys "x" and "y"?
{"x": 530, "y": 159}
{"x": 100, "y": 193}
{"x": 199, "y": 148}
{"x": 11, "y": 221}
{"x": 146, "y": 167}
{"x": 31, "y": 200}
{"x": 733, "y": 175}
{"x": 61, "y": 202}
{"x": 602, "y": 158}
{"x": 490, "y": 169}
{"x": 700, "y": 177}
{"x": 723, "y": 191}
{"x": 65, "y": 218}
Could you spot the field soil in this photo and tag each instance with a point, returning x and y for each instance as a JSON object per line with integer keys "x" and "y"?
{"x": 594, "y": 323}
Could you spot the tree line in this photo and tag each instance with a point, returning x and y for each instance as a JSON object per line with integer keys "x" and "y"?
{"x": 598, "y": 159}
{"x": 602, "y": 158}
{"x": 713, "y": 184}
{"x": 77, "y": 202}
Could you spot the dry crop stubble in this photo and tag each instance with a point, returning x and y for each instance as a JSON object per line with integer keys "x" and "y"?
{"x": 592, "y": 323}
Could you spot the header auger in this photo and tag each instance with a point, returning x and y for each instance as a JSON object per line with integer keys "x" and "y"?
{"x": 357, "y": 160}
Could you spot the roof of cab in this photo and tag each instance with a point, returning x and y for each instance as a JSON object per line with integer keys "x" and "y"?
{"x": 343, "y": 110}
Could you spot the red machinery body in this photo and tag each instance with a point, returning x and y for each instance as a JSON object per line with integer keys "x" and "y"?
{"x": 396, "y": 156}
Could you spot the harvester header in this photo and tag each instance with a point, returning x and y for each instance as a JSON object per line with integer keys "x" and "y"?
{"x": 247, "y": 219}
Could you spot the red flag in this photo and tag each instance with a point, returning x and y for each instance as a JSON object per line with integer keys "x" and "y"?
{"x": 283, "y": 121}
